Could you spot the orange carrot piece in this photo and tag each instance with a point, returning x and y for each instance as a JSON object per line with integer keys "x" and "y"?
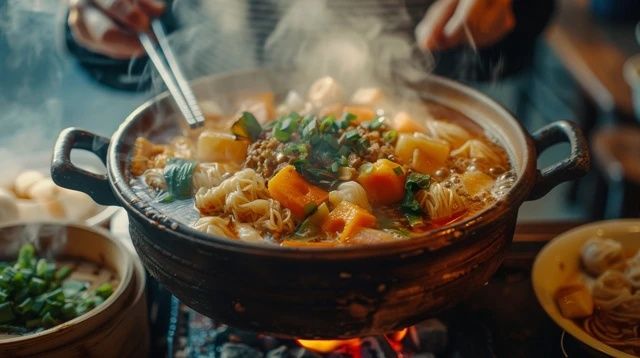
{"x": 294, "y": 192}
{"x": 348, "y": 219}
{"x": 383, "y": 181}
{"x": 362, "y": 113}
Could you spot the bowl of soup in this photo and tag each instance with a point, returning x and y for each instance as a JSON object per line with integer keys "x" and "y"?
{"x": 320, "y": 211}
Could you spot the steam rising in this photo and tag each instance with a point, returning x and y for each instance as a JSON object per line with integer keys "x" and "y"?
{"x": 49, "y": 240}
{"x": 357, "y": 43}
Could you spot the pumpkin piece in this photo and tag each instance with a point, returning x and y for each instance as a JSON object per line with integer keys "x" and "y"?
{"x": 347, "y": 219}
{"x": 362, "y": 113}
{"x": 403, "y": 122}
{"x": 433, "y": 152}
{"x": 383, "y": 181}
{"x": 476, "y": 182}
{"x": 574, "y": 301}
{"x": 294, "y": 192}
{"x": 221, "y": 147}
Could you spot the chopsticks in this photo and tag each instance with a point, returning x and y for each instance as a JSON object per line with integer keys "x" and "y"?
{"x": 165, "y": 63}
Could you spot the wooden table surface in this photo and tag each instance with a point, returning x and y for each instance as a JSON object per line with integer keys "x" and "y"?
{"x": 594, "y": 51}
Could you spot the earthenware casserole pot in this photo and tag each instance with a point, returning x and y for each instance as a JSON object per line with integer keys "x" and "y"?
{"x": 330, "y": 292}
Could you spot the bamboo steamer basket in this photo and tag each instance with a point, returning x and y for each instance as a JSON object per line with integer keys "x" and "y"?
{"x": 116, "y": 328}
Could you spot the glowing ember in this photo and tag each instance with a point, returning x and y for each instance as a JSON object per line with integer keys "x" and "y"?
{"x": 327, "y": 346}
{"x": 397, "y": 336}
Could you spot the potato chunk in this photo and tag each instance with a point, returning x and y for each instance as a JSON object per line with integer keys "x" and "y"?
{"x": 476, "y": 182}
{"x": 574, "y": 301}
{"x": 221, "y": 147}
{"x": 423, "y": 153}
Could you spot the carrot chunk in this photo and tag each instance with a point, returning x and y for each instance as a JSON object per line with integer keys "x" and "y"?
{"x": 362, "y": 113}
{"x": 347, "y": 219}
{"x": 294, "y": 192}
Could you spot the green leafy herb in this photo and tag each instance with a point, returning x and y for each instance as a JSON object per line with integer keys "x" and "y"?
{"x": 285, "y": 126}
{"x": 177, "y": 174}
{"x": 247, "y": 126}
{"x": 398, "y": 171}
{"x": 410, "y": 206}
{"x": 346, "y": 120}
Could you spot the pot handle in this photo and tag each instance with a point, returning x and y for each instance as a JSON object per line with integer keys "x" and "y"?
{"x": 573, "y": 167}
{"x": 65, "y": 174}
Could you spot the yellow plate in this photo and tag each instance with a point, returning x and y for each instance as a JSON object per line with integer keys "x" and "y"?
{"x": 559, "y": 261}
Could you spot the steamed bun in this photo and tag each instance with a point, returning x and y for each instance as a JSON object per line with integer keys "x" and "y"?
{"x": 25, "y": 181}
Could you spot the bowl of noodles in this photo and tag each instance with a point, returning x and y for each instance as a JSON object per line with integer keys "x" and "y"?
{"x": 314, "y": 209}
{"x": 588, "y": 280}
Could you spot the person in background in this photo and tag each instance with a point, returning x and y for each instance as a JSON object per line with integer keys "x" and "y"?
{"x": 477, "y": 41}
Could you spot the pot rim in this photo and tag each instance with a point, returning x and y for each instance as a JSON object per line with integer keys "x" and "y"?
{"x": 432, "y": 240}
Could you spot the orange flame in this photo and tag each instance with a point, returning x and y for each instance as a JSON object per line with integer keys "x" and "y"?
{"x": 327, "y": 346}
{"x": 397, "y": 336}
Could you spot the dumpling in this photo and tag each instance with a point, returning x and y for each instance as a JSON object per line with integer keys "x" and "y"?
{"x": 325, "y": 91}
{"x": 599, "y": 255}
{"x": 475, "y": 148}
{"x": 352, "y": 192}
{"x": 294, "y": 103}
{"x": 441, "y": 202}
{"x": 452, "y": 133}
{"x": 367, "y": 96}
{"x": 8, "y": 207}
{"x": 610, "y": 289}
{"x": 214, "y": 225}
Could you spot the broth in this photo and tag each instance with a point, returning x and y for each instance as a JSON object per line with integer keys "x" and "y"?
{"x": 324, "y": 170}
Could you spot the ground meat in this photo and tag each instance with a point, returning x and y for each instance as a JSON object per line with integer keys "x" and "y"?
{"x": 265, "y": 156}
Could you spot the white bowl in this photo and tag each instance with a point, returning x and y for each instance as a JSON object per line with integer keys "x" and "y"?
{"x": 559, "y": 262}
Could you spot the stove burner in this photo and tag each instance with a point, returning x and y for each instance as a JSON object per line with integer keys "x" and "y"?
{"x": 207, "y": 338}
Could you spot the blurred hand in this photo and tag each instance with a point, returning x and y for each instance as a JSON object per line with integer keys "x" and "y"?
{"x": 450, "y": 23}
{"x": 109, "y": 27}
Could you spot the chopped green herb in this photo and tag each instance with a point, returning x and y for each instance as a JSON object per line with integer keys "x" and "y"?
{"x": 376, "y": 123}
{"x": 410, "y": 206}
{"x": 285, "y": 126}
{"x": 390, "y": 136}
{"x": 35, "y": 294}
{"x": 247, "y": 127}
{"x": 346, "y": 120}
{"x": 398, "y": 170}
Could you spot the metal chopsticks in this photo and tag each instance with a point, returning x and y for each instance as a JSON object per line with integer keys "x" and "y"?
{"x": 167, "y": 66}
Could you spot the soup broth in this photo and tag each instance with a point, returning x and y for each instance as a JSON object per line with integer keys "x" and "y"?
{"x": 325, "y": 169}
